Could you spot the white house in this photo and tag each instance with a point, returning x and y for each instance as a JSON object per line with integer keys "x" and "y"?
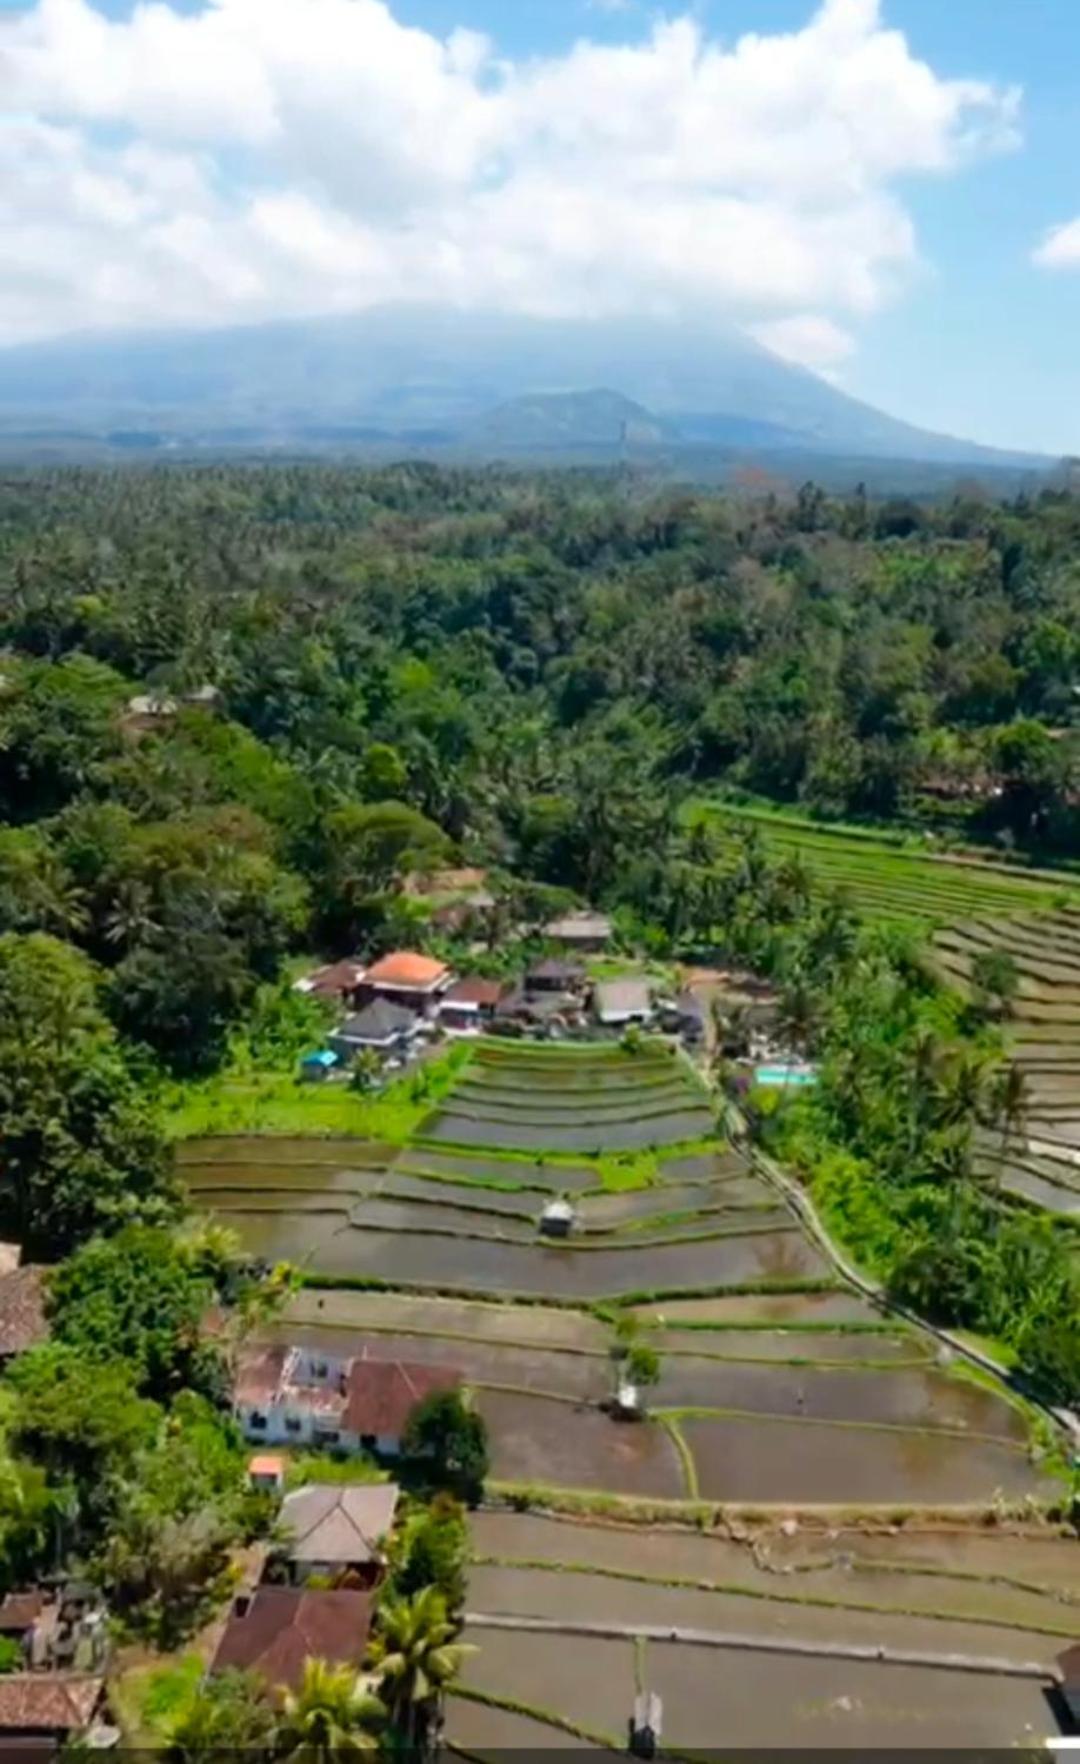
{"x": 302, "y": 1396}
{"x": 618, "y": 1002}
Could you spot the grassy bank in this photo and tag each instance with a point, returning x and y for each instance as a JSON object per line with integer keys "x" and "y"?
{"x": 246, "y": 1101}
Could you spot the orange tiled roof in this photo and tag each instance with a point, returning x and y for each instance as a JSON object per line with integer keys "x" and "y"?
{"x": 404, "y": 967}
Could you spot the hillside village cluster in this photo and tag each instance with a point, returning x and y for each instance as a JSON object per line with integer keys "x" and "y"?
{"x": 392, "y": 1006}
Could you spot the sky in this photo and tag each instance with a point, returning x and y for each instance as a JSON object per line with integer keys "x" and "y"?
{"x": 887, "y": 191}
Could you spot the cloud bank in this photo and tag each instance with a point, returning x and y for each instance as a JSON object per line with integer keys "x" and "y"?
{"x": 1061, "y": 247}
{"x": 264, "y": 158}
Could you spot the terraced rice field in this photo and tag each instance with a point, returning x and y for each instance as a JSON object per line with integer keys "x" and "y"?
{"x": 779, "y": 1393}
{"x": 764, "y": 1639}
{"x": 596, "y": 1100}
{"x": 774, "y": 1386}
{"x": 890, "y": 881}
{"x": 1037, "y": 1158}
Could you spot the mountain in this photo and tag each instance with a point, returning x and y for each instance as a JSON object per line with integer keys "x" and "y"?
{"x": 576, "y": 419}
{"x": 437, "y": 378}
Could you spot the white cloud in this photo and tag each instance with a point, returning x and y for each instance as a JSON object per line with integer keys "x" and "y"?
{"x": 807, "y": 338}
{"x": 265, "y": 157}
{"x": 1061, "y": 247}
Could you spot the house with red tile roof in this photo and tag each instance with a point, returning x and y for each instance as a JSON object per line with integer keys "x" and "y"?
{"x": 469, "y": 1003}
{"x": 336, "y": 982}
{"x": 272, "y": 1631}
{"x": 45, "y": 1710}
{"x": 305, "y": 1397}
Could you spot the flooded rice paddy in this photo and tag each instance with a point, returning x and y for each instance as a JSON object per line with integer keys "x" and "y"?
{"x": 717, "y": 1698}
{"x": 1023, "y": 1585}
{"x": 755, "y": 1459}
{"x": 591, "y": 1136}
{"x": 781, "y": 1395}
{"x": 410, "y": 1258}
{"x": 534, "y": 1439}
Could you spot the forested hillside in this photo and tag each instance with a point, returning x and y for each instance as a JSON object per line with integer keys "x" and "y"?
{"x": 239, "y": 706}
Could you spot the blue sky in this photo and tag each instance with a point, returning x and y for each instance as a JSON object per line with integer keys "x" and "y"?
{"x": 909, "y": 277}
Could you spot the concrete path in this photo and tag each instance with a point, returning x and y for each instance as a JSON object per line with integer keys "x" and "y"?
{"x": 991, "y": 1666}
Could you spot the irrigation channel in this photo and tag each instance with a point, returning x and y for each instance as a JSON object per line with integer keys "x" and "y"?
{"x": 810, "y": 1474}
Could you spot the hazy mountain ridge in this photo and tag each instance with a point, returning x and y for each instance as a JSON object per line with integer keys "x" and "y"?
{"x": 433, "y": 377}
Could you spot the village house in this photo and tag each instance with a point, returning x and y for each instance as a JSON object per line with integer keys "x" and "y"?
{"x": 586, "y": 933}
{"x": 470, "y": 1003}
{"x": 684, "y": 1016}
{"x": 27, "y": 1618}
{"x": 453, "y": 897}
{"x": 330, "y": 1529}
{"x": 43, "y": 1712}
{"x": 22, "y": 1311}
{"x": 336, "y": 982}
{"x": 305, "y": 1397}
{"x": 619, "y": 1002}
{"x": 555, "y": 975}
{"x": 274, "y": 1630}
{"x": 381, "y": 1027}
{"x": 406, "y": 978}
{"x": 266, "y": 1472}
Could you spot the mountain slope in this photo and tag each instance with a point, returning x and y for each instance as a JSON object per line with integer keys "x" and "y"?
{"x": 442, "y": 374}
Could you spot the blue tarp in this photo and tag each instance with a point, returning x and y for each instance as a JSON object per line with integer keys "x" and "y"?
{"x": 325, "y": 1057}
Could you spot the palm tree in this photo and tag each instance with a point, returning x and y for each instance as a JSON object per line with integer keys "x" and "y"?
{"x": 416, "y": 1658}
{"x": 332, "y": 1713}
{"x": 1009, "y": 1098}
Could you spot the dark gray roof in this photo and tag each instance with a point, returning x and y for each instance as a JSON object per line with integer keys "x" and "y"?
{"x": 378, "y": 1022}
{"x": 688, "y": 1005}
{"x": 552, "y": 968}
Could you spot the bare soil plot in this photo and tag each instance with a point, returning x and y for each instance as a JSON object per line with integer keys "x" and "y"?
{"x": 783, "y": 1701}
{"x": 536, "y": 1440}
{"x": 530, "y": 1324}
{"x": 789, "y": 1308}
{"x": 918, "y": 1397}
{"x": 762, "y": 1460}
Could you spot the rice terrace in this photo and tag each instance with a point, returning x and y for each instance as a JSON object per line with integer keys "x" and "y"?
{"x": 894, "y": 878}
{"x": 816, "y": 1514}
